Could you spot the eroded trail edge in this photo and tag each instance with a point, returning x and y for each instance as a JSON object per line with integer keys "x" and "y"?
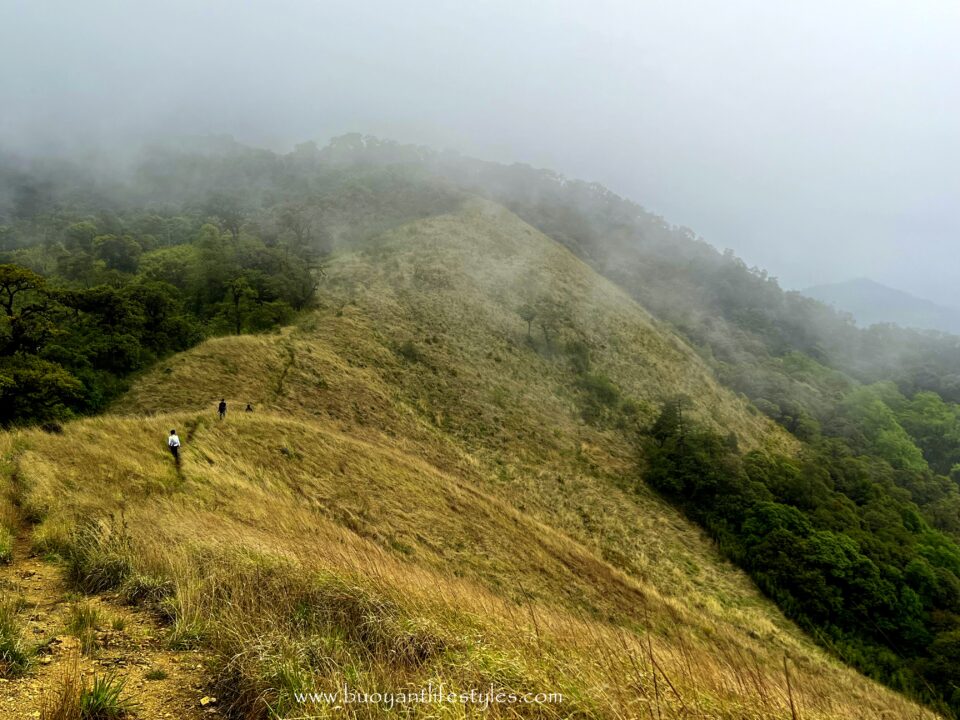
{"x": 70, "y": 639}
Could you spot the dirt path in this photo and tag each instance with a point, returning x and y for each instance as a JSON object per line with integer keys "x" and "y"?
{"x": 127, "y": 642}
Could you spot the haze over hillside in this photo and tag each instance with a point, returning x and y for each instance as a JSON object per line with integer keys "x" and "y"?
{"x": 351, "y": 353}
{"x": 871, "y": 302}
{"x": 722, "y": 117}
{"x": 427, "y": 461}
{"x": 570, "y": 373}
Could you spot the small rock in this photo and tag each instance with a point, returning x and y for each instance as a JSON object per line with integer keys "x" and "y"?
{"x": 207, "y": 700}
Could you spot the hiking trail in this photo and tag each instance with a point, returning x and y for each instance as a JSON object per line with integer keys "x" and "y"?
{"x": 123, "y": 641}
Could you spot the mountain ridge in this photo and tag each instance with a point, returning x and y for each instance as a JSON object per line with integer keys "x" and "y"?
{"x": 455, "y": 333}
{"x": 871, "y": 302}
{"x": 408, "y": 439}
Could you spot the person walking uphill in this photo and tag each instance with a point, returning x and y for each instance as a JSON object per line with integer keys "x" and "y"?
{"x": 173, "y": 442}
{"x": 222, "y": 408}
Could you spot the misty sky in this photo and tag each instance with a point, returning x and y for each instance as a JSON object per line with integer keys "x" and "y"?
{"x": 817, "y": 139}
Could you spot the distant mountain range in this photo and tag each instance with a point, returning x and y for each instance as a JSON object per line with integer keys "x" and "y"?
{"x": 871, "y": 302}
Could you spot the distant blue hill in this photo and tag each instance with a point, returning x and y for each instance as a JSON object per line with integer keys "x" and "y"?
{"x": 871, "y": 302}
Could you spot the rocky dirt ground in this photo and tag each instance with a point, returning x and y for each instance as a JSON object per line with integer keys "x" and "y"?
{"x": 128, "y": 643}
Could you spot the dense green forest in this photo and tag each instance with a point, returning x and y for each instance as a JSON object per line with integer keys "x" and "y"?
{"x": 100, "y": 278}
{"x": 835, "y": 541}
{"x": 87, "y": 302}
{"x": 857, "y": 538}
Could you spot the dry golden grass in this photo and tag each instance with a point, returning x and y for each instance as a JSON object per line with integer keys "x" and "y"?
{"x": 62, "y": 702}
{"x": 389, "y": 521}
{"x": 245, "y": 551}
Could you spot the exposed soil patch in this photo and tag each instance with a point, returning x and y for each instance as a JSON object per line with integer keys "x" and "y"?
{"x": 123, "y": 641}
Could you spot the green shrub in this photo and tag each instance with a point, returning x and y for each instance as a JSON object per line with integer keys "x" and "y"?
{"x": 409, "y": 352}
{"x": 579, "y": 353}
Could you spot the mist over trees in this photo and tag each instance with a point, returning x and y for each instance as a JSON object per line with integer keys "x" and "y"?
{"x": 222, "y": 223}
{"x": 103, "y": 274}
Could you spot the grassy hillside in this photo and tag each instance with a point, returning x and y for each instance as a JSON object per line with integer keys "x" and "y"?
{"x": 426, "y": 494}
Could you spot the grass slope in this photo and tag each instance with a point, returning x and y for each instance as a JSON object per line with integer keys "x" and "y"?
{"x": 417, "y": 499}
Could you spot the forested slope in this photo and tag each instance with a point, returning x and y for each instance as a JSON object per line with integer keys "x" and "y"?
{"x": 420, "y": 466}
{"x": 847, "y": 514}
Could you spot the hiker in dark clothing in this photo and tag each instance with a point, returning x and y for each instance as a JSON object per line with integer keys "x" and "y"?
{"x": 222, "y": 408}
{"x": 173, "y": 442}
{"x": 249, "y": 408}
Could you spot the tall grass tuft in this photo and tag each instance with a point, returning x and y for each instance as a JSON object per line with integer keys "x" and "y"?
{"x": 103, "y": 699}
{"x": 73, "y": 698}
{"x": 62, "y": 702}
{"x": 6, "y": 546}
{"x": 98, "y": 555}
{"x": 83, "y": 622}
{"x": 14, "y": 656}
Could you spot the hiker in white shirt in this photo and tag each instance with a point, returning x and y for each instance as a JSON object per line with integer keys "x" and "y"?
{"x": 174, "y": 443}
